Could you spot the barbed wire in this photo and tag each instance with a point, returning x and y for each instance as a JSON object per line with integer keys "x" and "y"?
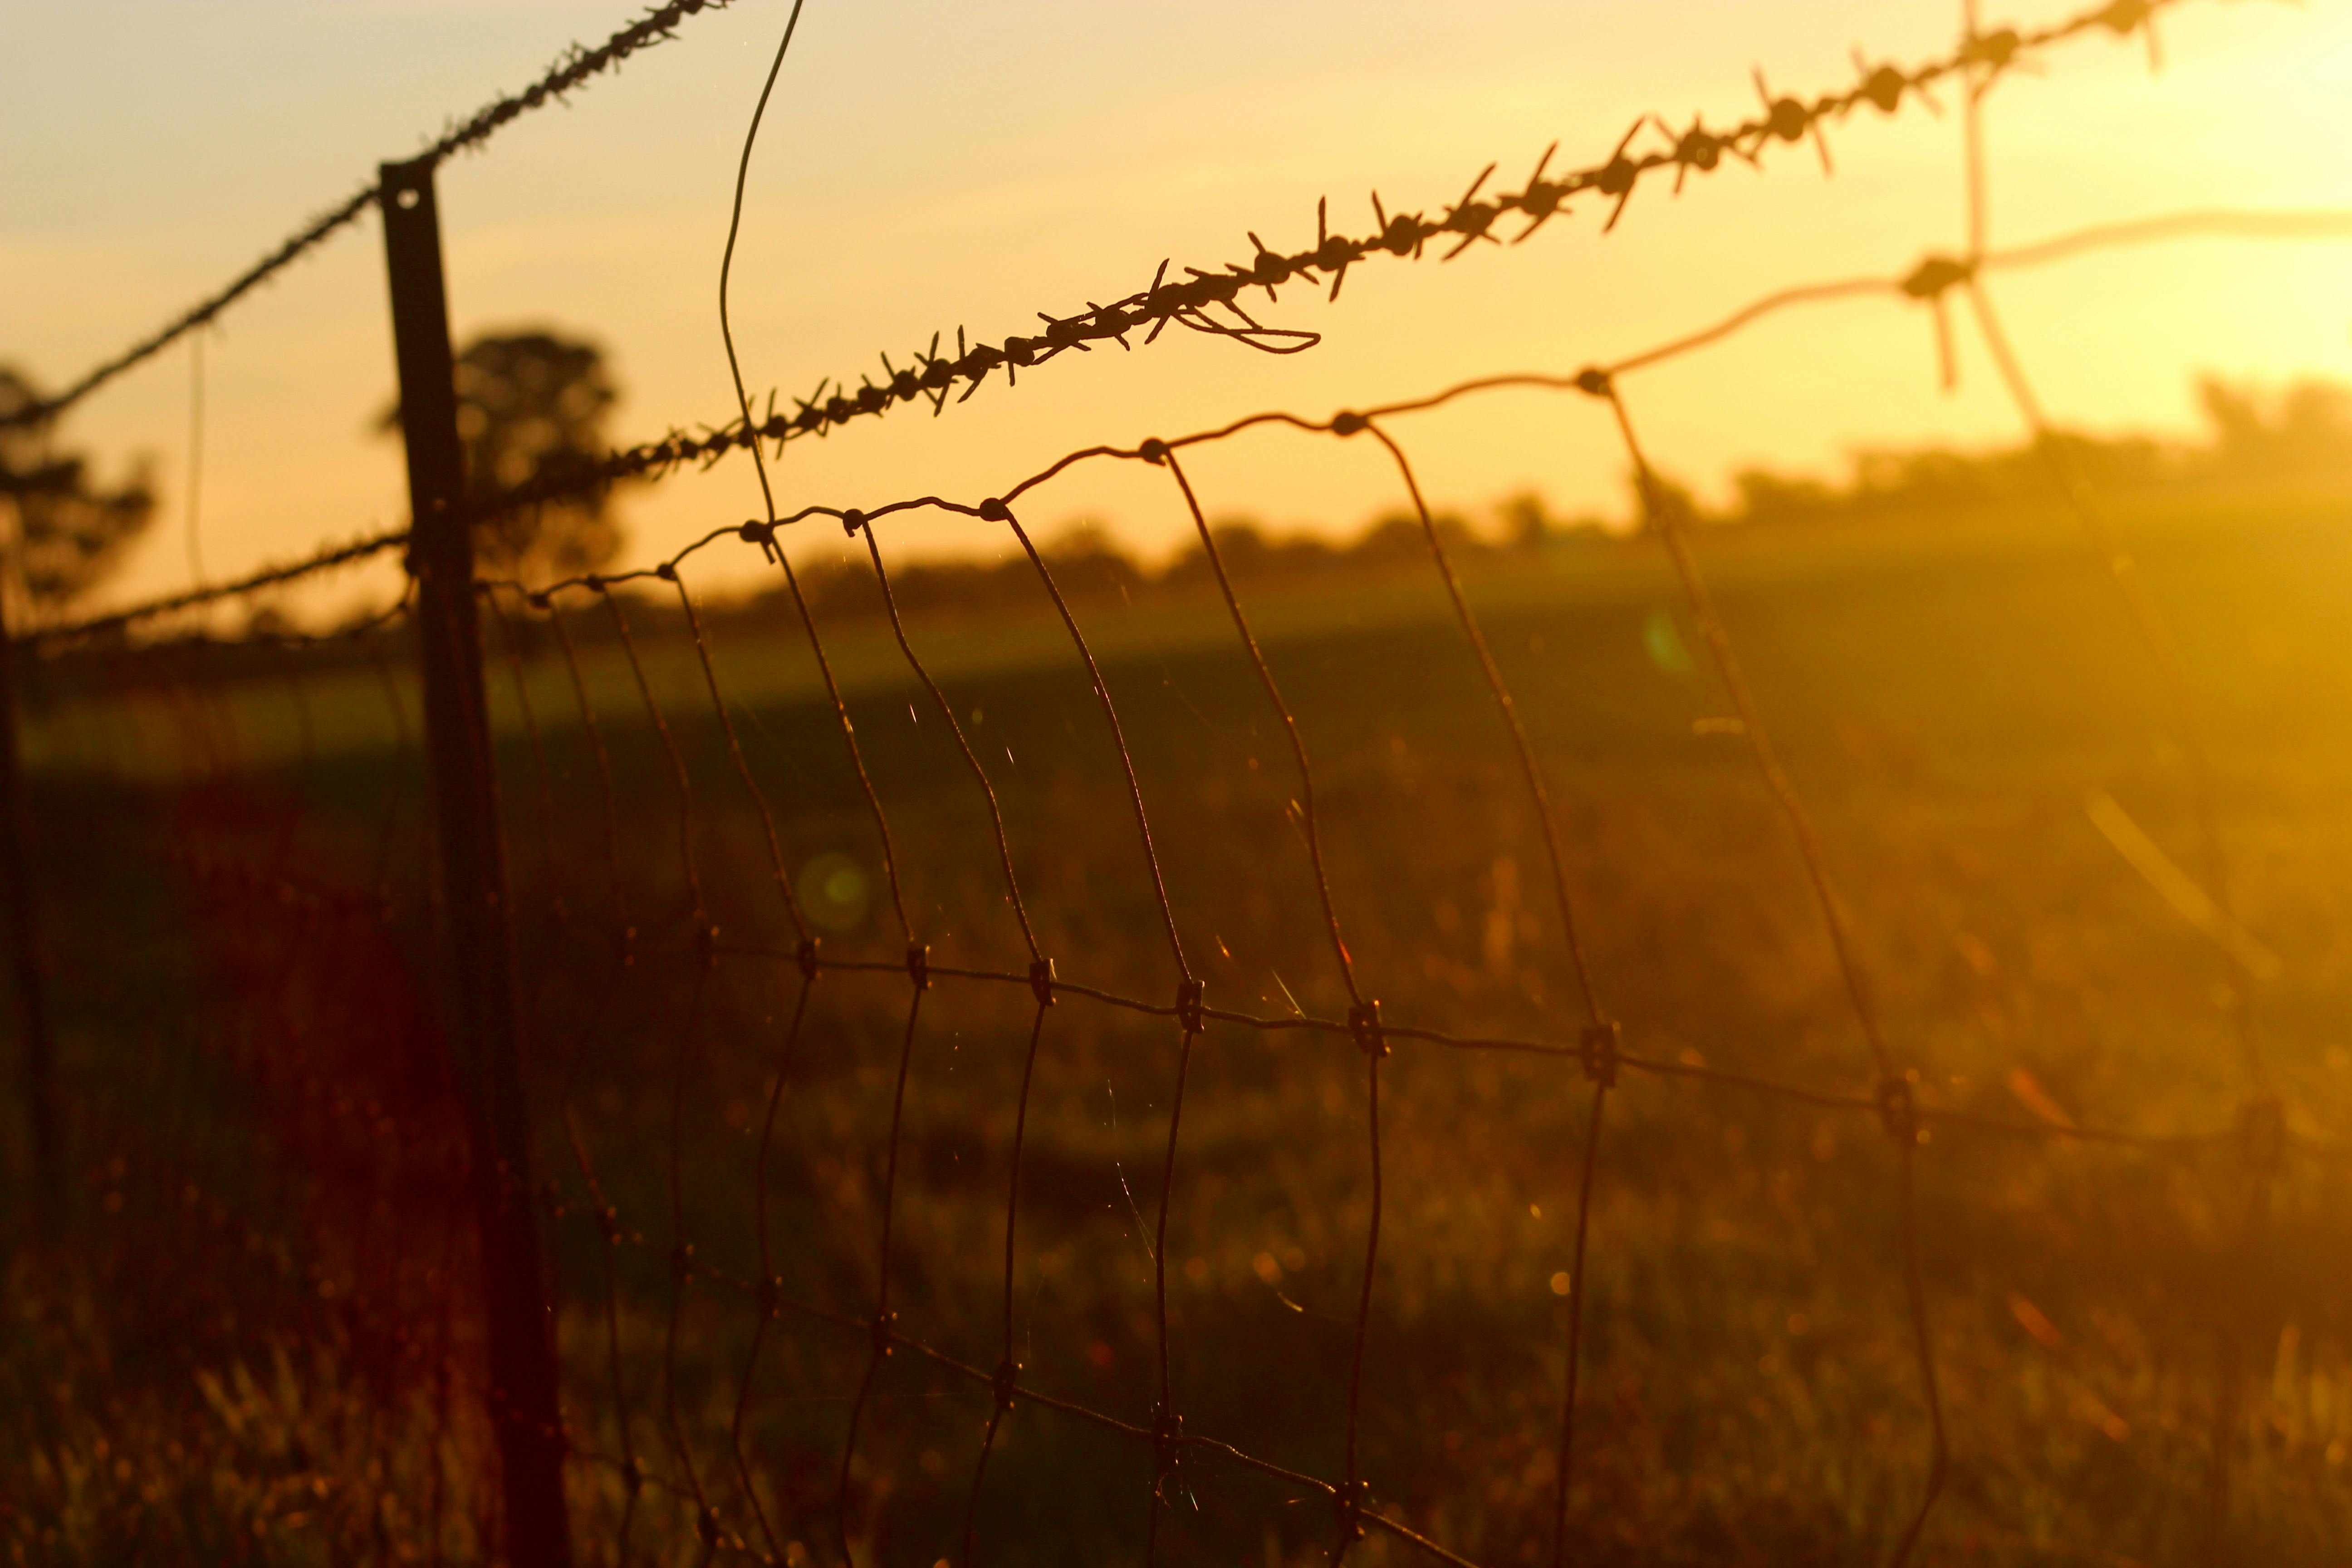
{"x": 1930, "y": 282}
{"x": 571, "y": 71}
{"x": 1193, "y": 301}
{"x": 1897, "y": 1098}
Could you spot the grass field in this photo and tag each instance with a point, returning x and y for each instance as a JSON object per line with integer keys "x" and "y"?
{"x": 1951, "y": 694}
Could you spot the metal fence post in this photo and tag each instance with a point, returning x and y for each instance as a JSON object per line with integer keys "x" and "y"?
{"x": 37, "y": 1064}
{"x": 481, "y": 960}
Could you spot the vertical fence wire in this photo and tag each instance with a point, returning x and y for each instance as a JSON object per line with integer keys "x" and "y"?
{"x": 323, "y": 1112}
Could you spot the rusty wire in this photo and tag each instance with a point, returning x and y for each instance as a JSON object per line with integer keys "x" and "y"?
{"x": 1194, "y": 301}
{"x": 1926, "y": 282}
{"x": 1892, "y": 1102}
{"x": 1893, "y": 1096}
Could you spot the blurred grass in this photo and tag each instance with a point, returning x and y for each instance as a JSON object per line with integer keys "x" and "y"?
{"x": 1947, "y": 693}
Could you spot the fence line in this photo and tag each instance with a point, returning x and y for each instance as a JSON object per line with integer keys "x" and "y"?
{"x": 1893, "y": 1103}
{"x": 1927, "y": 282}
{"x": 1895, "y": 1098}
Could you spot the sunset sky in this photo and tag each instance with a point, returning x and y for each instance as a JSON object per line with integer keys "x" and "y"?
{"x": 926, "y": 163}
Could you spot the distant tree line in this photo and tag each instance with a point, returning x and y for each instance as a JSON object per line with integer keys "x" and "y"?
{"x": 64, "y": 530}
{"x": 2300, "y": 438}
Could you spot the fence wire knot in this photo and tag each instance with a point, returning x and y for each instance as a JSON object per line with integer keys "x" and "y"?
{"x": 804, "y": 955}
{"x": 1188, "y": 1011}
{"x": 919, "y": 965}
{"x": 1167, "y": 1439}
{"x": 1364, "y": 1028}
{"x": 1348, "y": 422}
{"x": 1153, "y": 451}
{"x": 1349, "y": 1501}
{"x": 1005, "y": 1382}
{"x": 993, "y": 509}
{"x": 1995, "y": 49}
{"x": 881, "y": 1332}
{"x": 1935, "y": 273}
{"x": 851, "y": 521}
{"x": 1594, "y": 382}
{"x": 1898, "y": 1108}
{"x": 1596, "y": 1048}
{"x": 1041, "y": 982}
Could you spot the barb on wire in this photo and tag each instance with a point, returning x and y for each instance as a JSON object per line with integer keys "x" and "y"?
{"x": 571, "y": 71}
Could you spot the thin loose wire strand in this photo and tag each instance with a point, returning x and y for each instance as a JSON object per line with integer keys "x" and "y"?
{"x": 767, "y": 495}
{"x": 727, "y": 258}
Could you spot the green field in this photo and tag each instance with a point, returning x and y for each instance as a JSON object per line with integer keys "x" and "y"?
{"x": 1951, "y": 694}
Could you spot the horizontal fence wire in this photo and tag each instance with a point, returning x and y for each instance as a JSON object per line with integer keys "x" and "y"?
{"x": 1927, "y": 282}
{"x": 574, "y": 68}
{"x": 726, "y": 1504}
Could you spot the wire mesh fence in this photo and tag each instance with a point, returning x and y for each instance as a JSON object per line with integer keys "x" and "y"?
{"x": 826, "y": 1014}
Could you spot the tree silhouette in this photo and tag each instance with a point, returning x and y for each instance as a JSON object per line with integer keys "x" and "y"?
{"x": 64, "y": 533}
{"x": 531, "y": 405}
